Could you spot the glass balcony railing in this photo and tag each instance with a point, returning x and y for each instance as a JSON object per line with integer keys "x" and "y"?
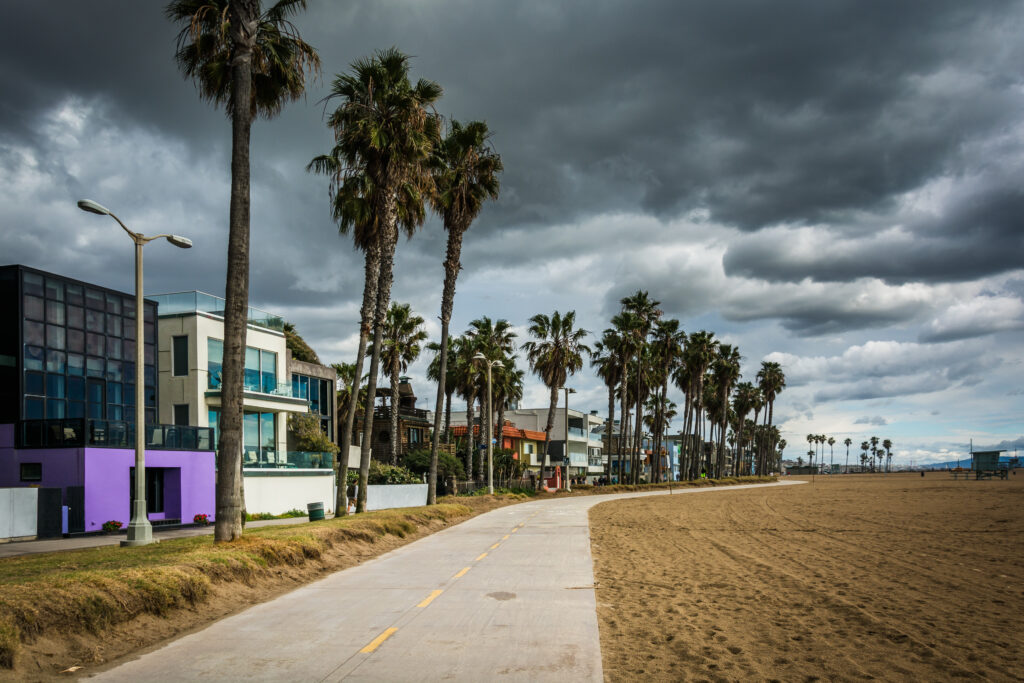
{"x": 576, "y": 431}
{"x": 192, "y": 302}
{"x": 79, "y": 432}
{"x": 271, "y": 458}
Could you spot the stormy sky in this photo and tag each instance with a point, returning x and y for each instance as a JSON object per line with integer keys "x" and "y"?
{"x": 835, "y": 186}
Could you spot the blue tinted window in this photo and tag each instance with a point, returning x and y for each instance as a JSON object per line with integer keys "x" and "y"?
{"x": 33, "y": 409}
{"x": 269, "y": 371}
{"x": 113, "y": 392}
{"x": 55, "y": 361}
{"x": 54, "y": 408}
{"x": 34, "y": 383}
{"x": 94, "y": 367}
{"x": 76, "y": 364}
{"x": 214, "y": 354}
{"x": 34, "y": 358}
{"x": 55, "y": 337}
{"x": 76, "y": 409}
{"x": 252, "y": 369}
{"x": 55, "y": 386}
{"x": 33, "y": 308}
{"x": 55, "y": 312}
{"x": 76, "y": 388}
{"x": 32, "y": 284}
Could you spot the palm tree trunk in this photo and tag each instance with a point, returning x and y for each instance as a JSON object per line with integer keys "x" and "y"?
{"x": 371, "y": 268}
{"x": 448, "y": 415}
{"x": 243, "y": 16}
{"x": 638, "y": 445}
{"x": 389, "y": 240}
{"x": 547, "y": 432}
{"x": 393, "y": 413}
{"x": 470, "y": 455}
{"x": 611, "y": 423}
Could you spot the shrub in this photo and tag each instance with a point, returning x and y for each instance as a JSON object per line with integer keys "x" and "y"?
{"x": 448, "y": 466}
{"x": 382, "y": 473}
{"x": 201, "y": 518}
{"x": 294, "y": 512}
{"x": 112, "y": 525}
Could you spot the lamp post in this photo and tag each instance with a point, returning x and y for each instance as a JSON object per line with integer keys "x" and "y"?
{"x": 490, "y": 421}
{"x": 140, "y": 532}
{"x": 568, "y": 486}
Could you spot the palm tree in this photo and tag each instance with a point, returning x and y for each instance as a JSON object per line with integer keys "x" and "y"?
{"x": 554, "y": 356}
{"x": 846, "y": 442}
{"x": 465, "y": 171}
{"x": 467, "y": 377}
{"x": 606, "y": 359}
{"x": 743, "y": 402}
{"x": 887, "y": 445}
{"x": 831, "y": 442}
{"x": 726, "y": 367}
{"x": 252, "y": 63}
{"x": 384, "y": 136}
{"x": 507, "y": 381}
{"x": 667, "y": 344}
{"x": 864, "y": 445}
{"x": 496, "y": 341}
{"x": 646, "y": 312}
{"x": 403, "y": 336}
{"x": 811, "y": 438}
{"x": 434, "y": 374}
{"x": 700, "y": 351}
{"x": 771, "y": 380}
{"x": 874, "y": 451}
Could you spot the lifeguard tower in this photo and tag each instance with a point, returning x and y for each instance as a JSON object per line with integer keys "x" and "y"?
{"x": 985, "y": 465}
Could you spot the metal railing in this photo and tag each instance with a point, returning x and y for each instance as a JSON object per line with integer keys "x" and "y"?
{"x": 190, "y": 302}
{"x": 384, "y": 413}
{"x": 82, "y": 432}
{"x": 271, "y": 458}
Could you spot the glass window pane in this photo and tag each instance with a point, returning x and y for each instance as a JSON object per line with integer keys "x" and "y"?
{"x": 114, "y": 304}
{"x": 75, "y": 294}
{"x": 95, "y": 344}
{"x": 34, "y": 358}
{"x": 113, "y": 392}
{"x": 94, "y": 367}
{"x": 269, "y": 371}
{"x": 32, "y": 284}
{"x": 268, "y": 434}
{"x": 149, "y": 357}
{"x": 94, "y": 299}
{"x": 55, "y": 312}
{"x": 55, "y": 361}
{"x": 214, "y": 353}
{"x": 94, "y": 321}
{"x": 33, "y": 308}
{"x": 95, "y": 391}
{"x": 251, "y": 431}
{"x": 252, "y": 369}
{"x": 54, "y": 289}
{"x": 129, "y": 394}
{"x": 114, "y": 370}
{"x": 114, "y": 412}
{"x": 128, "y": 349}
{"x": 129, "y": 328}
{"x": 76, "y": 409}
{"x": 213, "y": 416}
{"x": 33, "y": 409}
{"x": 150, "y": 312}
{"x": 76, "y": 341}
{"x": 150, "y": 332}
{"x": 76, "y": 316}
{"x": 76, "y": 388}
{"x": 34, "y": 383}
{"x": 325, "y": 397}
{"x": 179, "y": 356}
{"x": 34, "y": 333}
{"x": 54, "y": 408}
{"x": 76, "y": 364}
{"x": 55, "y": 386}
{"x": 113, "y": 325}
{"x": 113, "y": 348}
{"x": 95, "y": 411}
{"x": 148, "y": 375}
{"x": 55, "y": 337}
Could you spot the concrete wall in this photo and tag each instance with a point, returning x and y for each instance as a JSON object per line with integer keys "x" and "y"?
{"x": 383, "y": 497}
{"x": 18, "y": 508}
{"x": 279, "y": 491}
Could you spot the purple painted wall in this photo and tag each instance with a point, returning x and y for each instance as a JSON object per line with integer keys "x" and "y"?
{"x": 108, "y": 484}
{"x": 189, "y": 479}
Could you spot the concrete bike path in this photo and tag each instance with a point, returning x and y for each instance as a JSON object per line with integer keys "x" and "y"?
{"x": 508, "y": 594}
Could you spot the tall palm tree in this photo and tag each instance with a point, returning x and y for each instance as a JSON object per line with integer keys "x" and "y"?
{"x": 403, "y": 337}
{"x": 252, "y": 62}
{"x": 726, "y": 367}
{"x": 465, "y": 171}
{"x": 831, "y": 442}
{"x": 384, "y": 135}
{"x": 846, "y": 442}
{"x": 434, "y": 374}
{"x": 864, "y": 445}
{"x": 623, "y": 325}
{"x": 667, "y": 345}
{"x": 771, "y": 379}
{"x": 496, "y": 341}
{"x": 887, "y": 445}
{"x": 606, "y": 359}
{"x": 874, "y": 451}
{"x": 467, "y": 377}
{"x": 646, "y": 312}
{"x": 743, "y": 403}
{"x": 700, "y": 351}
{"x": 555, "y": 353}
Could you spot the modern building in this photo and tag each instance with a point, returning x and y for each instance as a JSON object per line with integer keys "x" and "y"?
{"x": 67, "y": 404}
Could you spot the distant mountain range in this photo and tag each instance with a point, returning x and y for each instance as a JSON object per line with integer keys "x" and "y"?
{"x": 965, "y": 462}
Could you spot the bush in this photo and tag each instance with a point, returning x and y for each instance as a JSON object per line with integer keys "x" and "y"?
{"x": 448, "y": 466}
{"x": 294, "y": 512}
{"x": 382, "y": 473}
{"x": 112, "y": 525}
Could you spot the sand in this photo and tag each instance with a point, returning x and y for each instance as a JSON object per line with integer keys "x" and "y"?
{"x": 891, "y": 577}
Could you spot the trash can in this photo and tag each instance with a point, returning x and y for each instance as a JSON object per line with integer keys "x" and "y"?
{"x": 316, "y": 511}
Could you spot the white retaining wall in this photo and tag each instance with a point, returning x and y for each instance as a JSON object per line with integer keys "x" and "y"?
{"x": 18, "y": 510}
{"x": 277, "y": 493}
{"x": 384, "y": 496}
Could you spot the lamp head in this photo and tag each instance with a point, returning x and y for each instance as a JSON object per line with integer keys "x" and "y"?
{"x": 497, "y": 364}
{"x": 92, "y": 207}
{"x": 479, "y": 356}
{"x": 179, "y": 241}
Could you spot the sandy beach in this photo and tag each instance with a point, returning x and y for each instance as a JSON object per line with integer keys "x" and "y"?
{"x": 891, "y": 577}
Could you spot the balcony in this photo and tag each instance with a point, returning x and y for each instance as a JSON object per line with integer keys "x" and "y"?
{"x": 384, "y": 413}
{"x": 177, "y": 303}
{"x": 84, "y": 432}
{"x": 271, "y": 458}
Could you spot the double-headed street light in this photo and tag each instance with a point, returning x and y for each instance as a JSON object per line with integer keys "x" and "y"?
{"x": 490, "y": 420}
{"x": 140, "y": 532}
{"x": 568, "y": 486}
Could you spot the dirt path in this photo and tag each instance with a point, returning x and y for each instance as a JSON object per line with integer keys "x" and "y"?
{"x": 857, "y": 577}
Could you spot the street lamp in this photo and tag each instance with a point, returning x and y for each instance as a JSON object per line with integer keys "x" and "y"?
{"x": 568, "y": 486}
{"x": 490, "y": 420}
{"x": 140, "y": 532}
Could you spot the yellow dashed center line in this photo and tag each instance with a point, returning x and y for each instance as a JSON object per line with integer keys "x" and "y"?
{"x": 505, "y": 537}
{"x": 515, "y": 530}
{"x": 430, "y": 598}
{"x": 462, "y": 573}
{"x": 495, "y": 545}
{"x": 480, "y": 557}
{"x": 375, "y": 643}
